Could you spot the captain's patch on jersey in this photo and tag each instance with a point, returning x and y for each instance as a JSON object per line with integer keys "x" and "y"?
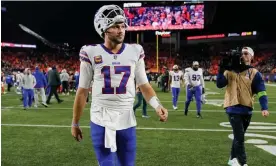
{"x": 98, "y": 59}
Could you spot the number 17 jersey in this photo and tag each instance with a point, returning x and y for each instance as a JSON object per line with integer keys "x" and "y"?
{"x": 113, "y": 75}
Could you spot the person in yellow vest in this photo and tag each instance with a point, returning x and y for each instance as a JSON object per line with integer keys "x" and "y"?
{"x": 242, "y": 83}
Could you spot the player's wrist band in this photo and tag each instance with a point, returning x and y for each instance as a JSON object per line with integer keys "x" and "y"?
{"x": 75, "y": 124}
{"x": 154, "y": 102}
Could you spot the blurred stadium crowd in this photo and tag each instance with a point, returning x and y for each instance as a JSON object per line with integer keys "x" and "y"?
{"x": 264, "y": 59}
{"x": 16, "y": 60}
{"x": 166, "y": 17}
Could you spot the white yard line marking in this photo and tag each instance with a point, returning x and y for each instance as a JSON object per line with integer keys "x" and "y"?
{"x": 138, "y": 128}
{"x": 272, "y": 85}
{"x": 170, "y": 109}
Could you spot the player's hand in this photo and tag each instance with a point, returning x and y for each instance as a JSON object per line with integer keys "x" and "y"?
{"x": 162, "y": 113}
{"x": 76, "y": 133}
{"x": 265, "y": 113}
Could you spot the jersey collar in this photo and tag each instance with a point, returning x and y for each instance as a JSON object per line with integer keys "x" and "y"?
{"x": 109, "y": 51}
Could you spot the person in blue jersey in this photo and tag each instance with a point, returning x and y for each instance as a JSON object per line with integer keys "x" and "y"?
{"x": 9, "y": 82}
{"x": 41, "y": 83}
{"x": 242, "y": 83}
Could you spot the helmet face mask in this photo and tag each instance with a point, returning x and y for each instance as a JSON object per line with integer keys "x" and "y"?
{"x": 107, "y": 16}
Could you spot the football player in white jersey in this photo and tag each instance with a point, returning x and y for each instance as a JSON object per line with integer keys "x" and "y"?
{"x": 194, "y": 86}
{"x": 114, "y": 67}
{"x": 175, "y": 80}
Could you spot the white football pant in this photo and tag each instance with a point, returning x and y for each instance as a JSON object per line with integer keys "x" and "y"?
{"x": 41, "y": 92}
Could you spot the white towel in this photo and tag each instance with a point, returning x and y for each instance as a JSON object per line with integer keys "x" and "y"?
{"x": 109, "y": 117}
{"x": 110, "y": 139}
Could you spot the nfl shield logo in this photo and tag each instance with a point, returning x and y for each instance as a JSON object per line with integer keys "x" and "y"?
{"x": 115, "y": 57}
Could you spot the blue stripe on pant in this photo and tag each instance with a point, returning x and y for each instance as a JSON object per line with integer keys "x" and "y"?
{"x": 126, "y": 146}
{"x": 175, "y": 94}
{"x": 28, "y": 95}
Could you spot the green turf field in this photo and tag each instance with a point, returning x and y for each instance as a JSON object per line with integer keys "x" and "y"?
{"x": 42, "y": 137}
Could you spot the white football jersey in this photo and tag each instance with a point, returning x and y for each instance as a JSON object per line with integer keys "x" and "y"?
{"x": 176, "y": 78}
{"x": 114, "y": 75}
{"x": 113, "y": 89}
{"x": 194, "y": 78}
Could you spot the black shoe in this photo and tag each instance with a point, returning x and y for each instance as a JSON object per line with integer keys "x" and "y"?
{"x": 186, "y": 112}
{"x": 60, "y": 101}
